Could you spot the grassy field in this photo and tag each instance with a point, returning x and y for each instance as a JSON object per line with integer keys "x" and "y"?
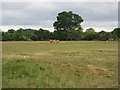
{"x": 70, "y": 64}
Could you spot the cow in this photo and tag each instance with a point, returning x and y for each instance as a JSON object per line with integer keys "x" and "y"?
{"x": 51, "y": 41}
{"x": 57, "y": 41}
{"x": 54, "y": 41}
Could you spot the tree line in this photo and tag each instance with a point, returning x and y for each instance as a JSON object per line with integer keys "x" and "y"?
{"x": 67, "y": 28}
{"x": 43, "y": 35}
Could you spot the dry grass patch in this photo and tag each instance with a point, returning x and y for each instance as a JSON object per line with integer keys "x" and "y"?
{"x": 101, "y": 70}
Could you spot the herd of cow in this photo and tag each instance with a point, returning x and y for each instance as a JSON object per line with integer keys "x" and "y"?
{"x": 54, "y": 41}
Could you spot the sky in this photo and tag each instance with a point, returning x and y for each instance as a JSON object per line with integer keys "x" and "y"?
{"x": 35, "y": 15}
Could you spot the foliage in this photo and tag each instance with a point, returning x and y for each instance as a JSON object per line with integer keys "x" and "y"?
{"x": 73, "y": 34}
{"x": 104, "y": 35}
{"x": 90, "y": 34}
{"x": 67, "y": 20}
{"x": 116, "y": 33}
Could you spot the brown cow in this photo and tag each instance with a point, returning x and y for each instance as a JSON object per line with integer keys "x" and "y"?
{"x": 54, "y": 41}
{"x": 57, "y": 41}
{"x": 51, "y": 41}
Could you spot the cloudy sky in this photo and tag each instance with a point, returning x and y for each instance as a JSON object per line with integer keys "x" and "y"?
{"x": 98, "y": 15}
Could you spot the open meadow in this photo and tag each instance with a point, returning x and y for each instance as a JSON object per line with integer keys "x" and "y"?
{"x": 68, "y": 64}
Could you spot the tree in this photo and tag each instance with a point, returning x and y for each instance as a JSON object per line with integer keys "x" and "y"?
{"x": 67, "y": 20}
{"x": 90, "y": 34}
{"x": 60, "y": 35}
{"x": 103, "y": 36}
{"x": 90, "y": 30}
{"x": 75, "y": 34}
{"x": 5, "y": 36}
{"x": 20, "y": 35}
{"x": 116, "y": 33}
{"x": 8, "y": 36}
{"x": 42, "y": 34}
{"x": 11, "y": 31}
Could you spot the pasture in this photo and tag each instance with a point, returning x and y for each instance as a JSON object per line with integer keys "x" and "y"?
{"x": 68, "y": 64}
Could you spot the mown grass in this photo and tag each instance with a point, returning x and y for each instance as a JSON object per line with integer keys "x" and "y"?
{"x": 70, "y": 64}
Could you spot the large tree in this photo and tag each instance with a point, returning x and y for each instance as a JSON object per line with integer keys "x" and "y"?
{"x": 67, "y": 20}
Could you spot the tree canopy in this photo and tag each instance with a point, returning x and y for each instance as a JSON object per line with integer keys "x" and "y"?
{"x": 67, "y": 20}
{"x": 43, "y": 35}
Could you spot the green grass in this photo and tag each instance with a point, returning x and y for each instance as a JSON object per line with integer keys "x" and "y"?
{"x": 75, "y": 64}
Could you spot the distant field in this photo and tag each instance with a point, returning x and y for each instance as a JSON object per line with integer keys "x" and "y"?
{"x": 68, "y": 64}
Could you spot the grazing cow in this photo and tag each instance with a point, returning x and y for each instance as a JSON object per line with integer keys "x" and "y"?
{"x": 57, "y": 41}
{"x": 51, "y": 41}
{"x": 54, "y": 41}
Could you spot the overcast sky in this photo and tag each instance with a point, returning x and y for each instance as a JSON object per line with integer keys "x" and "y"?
{"x": 98, "y": 15}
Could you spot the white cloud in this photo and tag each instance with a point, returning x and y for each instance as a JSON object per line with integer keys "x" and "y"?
{"x": 36, "y": 27}
{"x": 14, "y": 13}
{"x": 99, "y": 26}
{"x": 42, "y": 6}
{"x": 100, "y": 23}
